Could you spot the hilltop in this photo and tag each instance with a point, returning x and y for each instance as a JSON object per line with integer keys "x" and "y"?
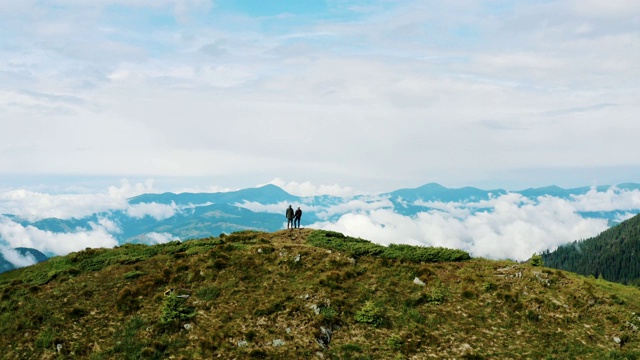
{"x": 307, "y": 294}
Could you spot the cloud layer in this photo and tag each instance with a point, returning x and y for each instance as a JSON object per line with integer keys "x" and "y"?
{"x": 510, "y": 226}
{"x": 506, "y": 226}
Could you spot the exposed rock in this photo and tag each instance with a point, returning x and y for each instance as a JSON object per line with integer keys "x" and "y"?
{"x": 352, "y": 261}
{"x": 277, "y": 342}
{"x": 59, "y": 347}
{"x": 617, "y": 340}
{"x": 315, "y": 308}
{"x": 260, "y": 251}
{"x": 324, "y": 337}
{"x": 417, "y": 281}
{"x": 243, "y": 343}
{"x": 297, "y": 258}
{"x": 188, "y": 326}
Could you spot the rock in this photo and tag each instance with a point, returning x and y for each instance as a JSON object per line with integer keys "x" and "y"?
{"x": 243, "y": 343}
{"x": 260, "y": 251}
{"x": 352, "y": 261}
{"x": 324, "y": 337}
{"x": 297, "y": 258}
{"x": 187, "y": 326}
{"x": 320, "y": 354}
{"x": 59, "y": 347}
{"x": 288, "y": 330}
{"x": 315, "y": 309}
{"x": 417, "y": 281}
{"x": 277, "y": 342}
{"x": 617, "y": 340}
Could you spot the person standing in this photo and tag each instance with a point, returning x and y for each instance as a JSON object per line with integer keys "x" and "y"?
{"x": 289, "y": 215}
{"x": 296, "y": 218}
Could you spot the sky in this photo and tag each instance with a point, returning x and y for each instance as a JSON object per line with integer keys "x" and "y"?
{"x": 372, "y": 95}
{"x": 105, "y": 99}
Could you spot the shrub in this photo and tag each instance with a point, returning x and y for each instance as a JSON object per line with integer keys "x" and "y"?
{"x": 174, "y": 310}
{"x": 536, "y": 260}
{"x": 395, "y": 342}
{"x": 359, "y": 247}
{"x": 208, "y": 293}
{"x": 133, "y": 274}
{"x": 370, "y": 314}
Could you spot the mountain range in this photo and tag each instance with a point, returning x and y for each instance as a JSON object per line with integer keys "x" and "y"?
{"x": 204, "y": 214}
{"x": 155, "y": 218}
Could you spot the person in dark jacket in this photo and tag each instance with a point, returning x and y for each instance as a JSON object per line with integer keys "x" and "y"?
{"x": 289, "y": 215}
{"x": 296, "y": 218}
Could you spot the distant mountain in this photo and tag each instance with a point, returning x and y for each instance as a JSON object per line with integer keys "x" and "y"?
{"x": 614, "y": 254}
{"x": 151, "y": 218}
{"x": 267, "y": 194}
{"x": 437, "y": 192}
{"x": 7, "y": 266}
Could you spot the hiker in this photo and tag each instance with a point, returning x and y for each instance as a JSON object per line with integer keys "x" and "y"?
{"x": 296, "y": 218}
{"x": 289, "y": 215}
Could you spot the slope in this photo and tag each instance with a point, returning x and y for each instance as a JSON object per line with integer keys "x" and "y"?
{"x": 308, "y": 294}
{"x": 613, "y": 254}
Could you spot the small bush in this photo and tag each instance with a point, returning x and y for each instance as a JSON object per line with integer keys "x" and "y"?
{"x": 395, "y": 342}
{"x": 174, "y": 310}
{"x": 370, "y": 314}
{"x": 133, "y": 274}
{"x": 208, "y": 293}
{"x": 536, "y": 260}
{"x": 77, "y": 313}
{"x": 489, "y": 286}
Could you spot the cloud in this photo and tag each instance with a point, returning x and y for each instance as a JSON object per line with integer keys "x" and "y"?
{"x": 308, "y": 189}
{"x": 610, "y": 200}
{"x": 154, "y": 238}
{"x": 15, "y": 258}
{"x": 510, "y": 226}
{"x": 49, "y": 242}
{"x": 35, "y": 206}
{"x": 155, "y": 210}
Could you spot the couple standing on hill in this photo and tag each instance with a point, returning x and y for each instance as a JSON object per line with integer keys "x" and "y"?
{"x": 293, "y": 219}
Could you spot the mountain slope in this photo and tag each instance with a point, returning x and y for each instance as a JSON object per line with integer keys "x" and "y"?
{"x": 614, "y": 254}
{"x": 278, "y": 296}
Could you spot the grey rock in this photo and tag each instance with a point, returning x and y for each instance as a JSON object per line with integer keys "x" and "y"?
{"x": 324, "y": 337}
{"x": 417, "y": 281}
{"x": 277, "y": 342}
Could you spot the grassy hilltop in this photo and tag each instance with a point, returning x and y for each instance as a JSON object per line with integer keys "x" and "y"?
{"x": 306, "y": 294}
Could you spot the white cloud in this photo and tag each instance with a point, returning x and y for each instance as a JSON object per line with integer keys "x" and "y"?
{"x": 514, "y": 227}
{"x": 36, "y": 205}
{"x": 309, "y": 189}
{"x": 610, "y": 200}
{"x": 153, "y": 238}
{"x": 15, "y": 258}
{"x": 155, "y": 210}
{"x": 17, "y": 235}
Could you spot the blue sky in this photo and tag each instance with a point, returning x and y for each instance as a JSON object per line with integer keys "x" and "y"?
{"x": 371, "y": 95}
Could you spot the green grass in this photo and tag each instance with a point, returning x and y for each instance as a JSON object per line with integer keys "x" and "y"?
{"x": 133, "y": 302}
